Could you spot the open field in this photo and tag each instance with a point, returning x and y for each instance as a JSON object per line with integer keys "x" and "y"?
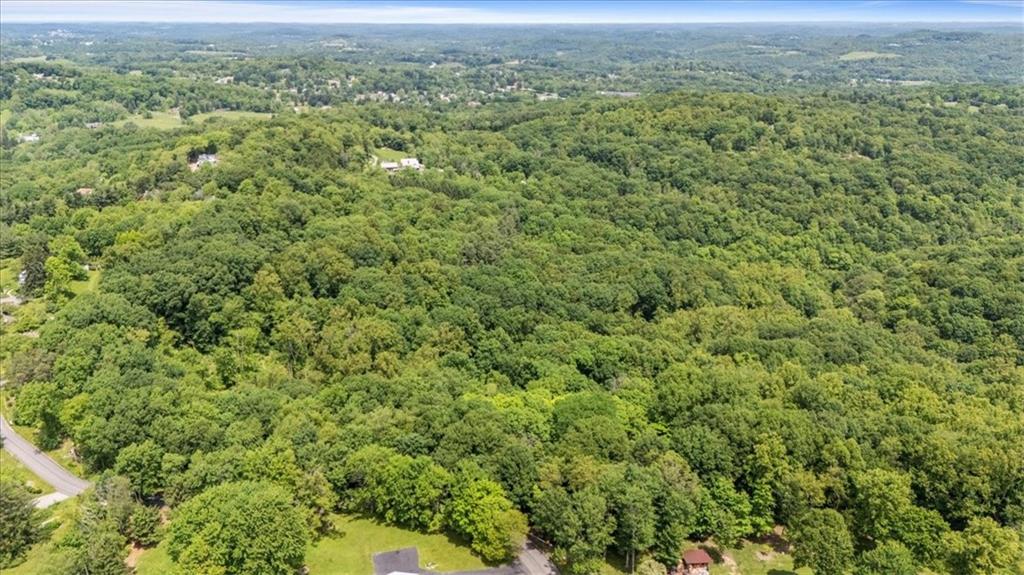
{"x": 230, "y": 115}
{"x": 88, "y": 285}
{"x": 350, "y": 550}
{"x": 157, "y": 120}
{"x": 866, "y": 55}
{"x": 389, "y": 155}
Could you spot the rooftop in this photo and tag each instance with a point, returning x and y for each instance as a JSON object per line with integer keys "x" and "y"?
{"x": 697, "y": 557}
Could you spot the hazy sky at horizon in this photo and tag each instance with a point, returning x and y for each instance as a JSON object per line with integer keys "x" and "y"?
{"x": 508, "y": 12}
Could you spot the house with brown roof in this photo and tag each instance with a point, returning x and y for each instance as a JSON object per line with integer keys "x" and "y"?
{"x": 694, "y": 562}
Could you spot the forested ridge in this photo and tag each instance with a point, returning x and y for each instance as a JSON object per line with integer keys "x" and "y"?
{"x": 618, "y": 324}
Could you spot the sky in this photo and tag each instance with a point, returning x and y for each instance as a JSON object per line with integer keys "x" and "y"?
{"x": 507, "y": 12}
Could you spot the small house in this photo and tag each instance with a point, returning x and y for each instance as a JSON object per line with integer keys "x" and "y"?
{"x": 410, "y": 163}
{"x": 30, "y": 137}
{"x": 694, "y": 562}
{"x": 389, "y": 166}
{"x": 84, "y": 192}
{"x": 93, "y": 125}
{"x": 203, "y": 160}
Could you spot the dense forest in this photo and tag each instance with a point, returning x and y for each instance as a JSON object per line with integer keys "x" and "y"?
{"x": 618, "y": 324}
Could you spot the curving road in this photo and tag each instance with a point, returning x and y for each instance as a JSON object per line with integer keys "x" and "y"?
{"x": 65, "y": 482}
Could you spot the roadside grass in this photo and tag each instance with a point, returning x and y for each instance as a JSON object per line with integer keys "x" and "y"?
{"x": 157, "y": 120}
{"x": 61, "y": 455}
{"x": 45, "y": 557}
{"x": 857, "y": 55}
{"x": 230, "y": 115}
{"x": 12, "y": 470}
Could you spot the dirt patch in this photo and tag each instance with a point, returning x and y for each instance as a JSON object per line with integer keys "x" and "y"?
{"x": 133, "y": 556}
{"x": 729, "y": 562}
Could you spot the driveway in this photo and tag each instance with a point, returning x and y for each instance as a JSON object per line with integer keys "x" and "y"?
{"x": 62, "y": 480}
{"x": 531, "y": 561}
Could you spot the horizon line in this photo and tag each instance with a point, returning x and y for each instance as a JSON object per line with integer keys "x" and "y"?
{"x": 553, "y": 23}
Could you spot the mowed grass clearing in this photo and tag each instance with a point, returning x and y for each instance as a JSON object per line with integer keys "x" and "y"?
{"x": 230, "y": 115}
{"x": 350, "y": 549}
{"x": 750, "y": 559}
{"x": 157, "y": 120}
{"x": 88, "y": 285}
{"x": 389, "y": 155}
{"x": 155, "y": 561}
{"x": 857, "y": 55}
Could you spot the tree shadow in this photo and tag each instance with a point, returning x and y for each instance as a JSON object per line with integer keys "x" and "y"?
{"x": 775, "y": 540}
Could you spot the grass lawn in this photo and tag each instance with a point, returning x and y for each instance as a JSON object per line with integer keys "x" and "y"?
{"x": 751, "y": 559}
{"x": 350, "y": 550}
{"x": 155, "y": 561}
{"x": 86, "y": 286}
{"x": 230, "y": 115}
{"x": 758, "y": 559}
{"x": 157, "y": 120}
{"x": 389, "y": 155}
{"x": 12, "y": 469}
{"x": 9, "y": 269}
{"x": 866, "y": 55}
{"x": 44, "y": 558}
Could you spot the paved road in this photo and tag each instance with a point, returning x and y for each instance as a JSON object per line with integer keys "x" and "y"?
{"x": 40, "y": 463}
{"x": 534, "y": 561}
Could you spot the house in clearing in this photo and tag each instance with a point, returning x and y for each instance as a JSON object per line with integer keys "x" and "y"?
{"x": 203, "y": 160}
{"x": 694, "y": 562}
{"x": 30, "y": 137}
{"x": 411, "y": 163}
{"x": 403, "y": 164}
{"x": 84, "y": 192}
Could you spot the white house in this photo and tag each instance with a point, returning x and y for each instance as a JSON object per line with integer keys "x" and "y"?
{"x": 411, "y": 163}
{"x": 30, "y": 137}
